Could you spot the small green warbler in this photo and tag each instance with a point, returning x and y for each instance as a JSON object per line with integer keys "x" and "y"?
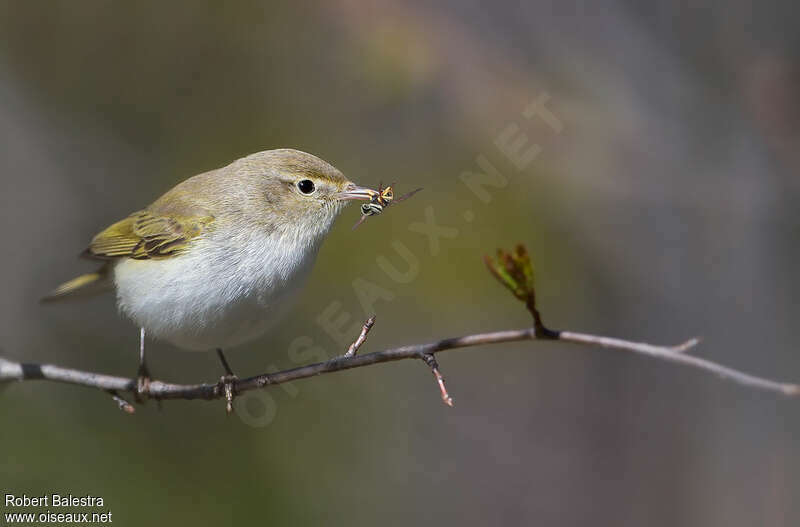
{"x": 217, "y": 260}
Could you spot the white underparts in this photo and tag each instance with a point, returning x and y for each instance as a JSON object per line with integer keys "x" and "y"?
{"x": 224, "y": 290}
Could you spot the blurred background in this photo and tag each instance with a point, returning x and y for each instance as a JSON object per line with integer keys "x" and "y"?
{"x": 666, "y": 207}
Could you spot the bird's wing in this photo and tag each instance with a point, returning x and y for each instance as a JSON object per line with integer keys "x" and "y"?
{"x": 145, "y": 234}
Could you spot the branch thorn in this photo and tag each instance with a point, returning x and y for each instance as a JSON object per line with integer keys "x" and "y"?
{"x": 686, "y": 346}
{"x": 124, "y": 405}
{"x": 430, "y": 360}
{"x": 353, "y": 349}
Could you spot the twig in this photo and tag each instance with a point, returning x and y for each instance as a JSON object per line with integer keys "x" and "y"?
{"x": 430, "y": 360}
{"x": 677, "y": 355}
{"x": 161, "y": 390}
{"x": 362, "y": 337}
{"x": 124, "y": 405}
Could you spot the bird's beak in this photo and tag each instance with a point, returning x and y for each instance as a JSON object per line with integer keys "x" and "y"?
{"x": 353, "y": 191}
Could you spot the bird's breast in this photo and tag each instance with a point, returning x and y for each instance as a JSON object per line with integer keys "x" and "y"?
{"x": 220, "y": 292}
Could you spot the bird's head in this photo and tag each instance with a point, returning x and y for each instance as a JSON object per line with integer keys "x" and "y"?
{"x": 290, "y": 191}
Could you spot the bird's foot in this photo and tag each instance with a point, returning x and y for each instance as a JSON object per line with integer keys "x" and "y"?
{"x": 227, "y": 385}
{"x": 142, "y": 384}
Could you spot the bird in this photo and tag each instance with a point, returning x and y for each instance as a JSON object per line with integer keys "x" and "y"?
{"x": 220, "y": 258}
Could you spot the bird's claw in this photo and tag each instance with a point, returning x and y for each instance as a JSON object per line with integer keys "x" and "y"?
{"x": 142, "y": 383}
{"x": 227, "y": 386}
{"x": 142, "y": 388}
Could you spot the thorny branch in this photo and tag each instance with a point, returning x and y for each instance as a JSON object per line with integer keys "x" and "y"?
{"x": 512, "y": 269}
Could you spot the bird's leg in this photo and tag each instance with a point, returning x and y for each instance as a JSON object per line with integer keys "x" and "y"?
{"x": 227, "y": 382}
{"x": 143, "y": 375}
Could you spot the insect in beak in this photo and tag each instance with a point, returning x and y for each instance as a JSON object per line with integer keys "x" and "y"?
{"x": 380, "y": 200}
{"x": 353, "y": 191}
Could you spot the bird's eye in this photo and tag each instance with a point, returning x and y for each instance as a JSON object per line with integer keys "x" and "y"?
{"x": 306, "y": 186}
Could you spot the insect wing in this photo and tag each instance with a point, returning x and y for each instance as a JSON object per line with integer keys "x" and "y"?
{"x": 406, "y": 196}
{"x": 360, "y": 221}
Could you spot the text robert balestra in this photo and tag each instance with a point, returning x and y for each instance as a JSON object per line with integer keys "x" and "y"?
{"x": 53, "y": 500}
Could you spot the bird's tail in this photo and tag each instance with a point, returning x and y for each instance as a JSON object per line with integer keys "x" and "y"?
{"x": 89, "y": 284}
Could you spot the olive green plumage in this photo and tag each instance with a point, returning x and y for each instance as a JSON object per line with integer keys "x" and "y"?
{"x": 144, "y": 235}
